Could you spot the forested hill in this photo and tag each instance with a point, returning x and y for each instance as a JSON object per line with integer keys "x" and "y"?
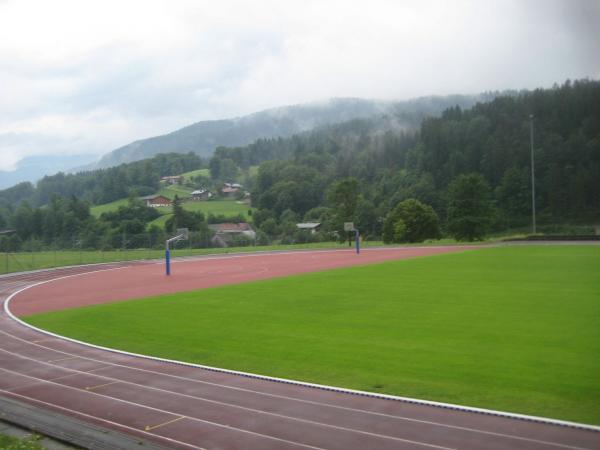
{"x": 203, "y": 137}
{"x": 494, "y": 140}
{"x": 103, "y": 185}
{"x": 491, "y": 139}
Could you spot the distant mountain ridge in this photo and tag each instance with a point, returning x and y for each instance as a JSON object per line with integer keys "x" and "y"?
{"x": 203, "y": 137}
{"x": 32, "y": 168}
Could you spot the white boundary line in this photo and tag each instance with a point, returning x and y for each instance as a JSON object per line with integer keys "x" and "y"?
{"x": 367, "y": 412}
{"x": 152, "y": 408}
{"x": 451, "y": 406}
{"x": 253, "y": 410}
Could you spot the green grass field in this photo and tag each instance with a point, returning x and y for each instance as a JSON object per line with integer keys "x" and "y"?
{"x": 253, "y": 171}
{"x": 172, "y": 190}
{"x": 194, "y": 173}
{"x": 509, "y": 328}
{"x": 160, "y": 221}
{"x": 217, "y": 207}
{"x": 107, "y": 207}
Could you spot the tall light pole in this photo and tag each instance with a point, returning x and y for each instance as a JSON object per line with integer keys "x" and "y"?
{"x": 532, "y": 172}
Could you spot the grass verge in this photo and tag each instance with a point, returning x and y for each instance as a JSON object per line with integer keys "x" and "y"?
{"x": 510, "y": 328}
{"x": 13, "y": 443}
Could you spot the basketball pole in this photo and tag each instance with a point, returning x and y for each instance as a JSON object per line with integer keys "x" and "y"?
{"x": 183, "y": 234}
{"x": 168, "y": 259}
{"x": 349, "y": 228}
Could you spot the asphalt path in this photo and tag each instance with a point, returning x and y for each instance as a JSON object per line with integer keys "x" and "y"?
{"x": 180, "y": 406}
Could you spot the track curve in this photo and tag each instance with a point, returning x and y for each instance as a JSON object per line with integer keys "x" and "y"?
{"x": 179, "y": 406}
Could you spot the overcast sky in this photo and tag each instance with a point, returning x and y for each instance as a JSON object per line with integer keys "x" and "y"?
{"x": 89, "y": 76}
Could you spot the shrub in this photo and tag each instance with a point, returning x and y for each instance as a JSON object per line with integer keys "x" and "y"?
{"x": 411, "y": 221}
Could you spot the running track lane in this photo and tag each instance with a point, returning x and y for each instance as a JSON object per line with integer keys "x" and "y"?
{"x": 186, "y": 407}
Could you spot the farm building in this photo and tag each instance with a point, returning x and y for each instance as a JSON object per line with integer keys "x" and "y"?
{"x": 201, "y": 194}
{"x": 230, "y": 189}
{"x": 226, "y": 232}
{"x": 177, "y": 179}
{"x": 313, "y": 227}
{"x": 155, "y": 201}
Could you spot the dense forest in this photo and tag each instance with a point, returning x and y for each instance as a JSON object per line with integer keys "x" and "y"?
{"x": 491, "y": 139}
{"x": 366, "y": 170}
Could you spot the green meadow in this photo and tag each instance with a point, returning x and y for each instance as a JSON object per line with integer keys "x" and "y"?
{"x": 108, "y": 207}
{"x": 195, "y": 173}
{"x": 510, "y": 328}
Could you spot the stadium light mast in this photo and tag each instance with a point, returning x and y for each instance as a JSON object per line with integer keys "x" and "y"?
{"x": 532, "y": 173}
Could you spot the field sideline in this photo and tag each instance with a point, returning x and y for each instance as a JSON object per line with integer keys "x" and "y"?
{"x": 510, "y": 328}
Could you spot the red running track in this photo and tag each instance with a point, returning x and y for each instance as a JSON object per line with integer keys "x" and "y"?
{"x": 179, "y": 406}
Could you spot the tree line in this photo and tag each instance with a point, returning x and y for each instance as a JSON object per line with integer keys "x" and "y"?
{"x": 462, "y": 174}
{"x": 484, "y": 151}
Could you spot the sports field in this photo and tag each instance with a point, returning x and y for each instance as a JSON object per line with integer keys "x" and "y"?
{"x": 510, "y": 328}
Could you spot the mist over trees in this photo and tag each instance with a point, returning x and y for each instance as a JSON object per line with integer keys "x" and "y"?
{"x": 489, "y": 141}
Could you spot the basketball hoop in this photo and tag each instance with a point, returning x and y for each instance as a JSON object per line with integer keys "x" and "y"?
{"x": 182, "y": 234}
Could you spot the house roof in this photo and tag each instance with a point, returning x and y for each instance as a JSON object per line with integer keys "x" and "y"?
{"x": 230, "y": 227}
{"x": 152, "y": 197}
{"x": 229, "y": 189}
{"x": 199, "y": 192}
{"x": 308, "y": 225}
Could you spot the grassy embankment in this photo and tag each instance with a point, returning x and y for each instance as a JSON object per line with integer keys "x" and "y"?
{"x": 194, "y": 173}
{"x": 216, "y": 207}
{"x": 510, "y": 328}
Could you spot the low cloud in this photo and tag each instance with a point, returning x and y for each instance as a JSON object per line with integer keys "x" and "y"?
{"x": 87, "y": 77}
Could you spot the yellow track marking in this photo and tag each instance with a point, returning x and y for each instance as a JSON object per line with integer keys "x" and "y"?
{"x": 91, "y": 388}
{"x": 153, "y": 427}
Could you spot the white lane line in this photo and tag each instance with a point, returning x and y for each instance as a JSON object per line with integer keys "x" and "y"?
{"x": 51, "y": 280}
{"x": 91, "y": 388}
{"x": 450, "y": 406}
{"x": 63, "y": 359}
{"x": 26, "y": 386}
{"x": 94, "y": 418}
{"x": 312, "y": 402}
{"x": 194, "y": 258}
{"x": 243, "y": 408}
{"x": 220, "y": 425}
